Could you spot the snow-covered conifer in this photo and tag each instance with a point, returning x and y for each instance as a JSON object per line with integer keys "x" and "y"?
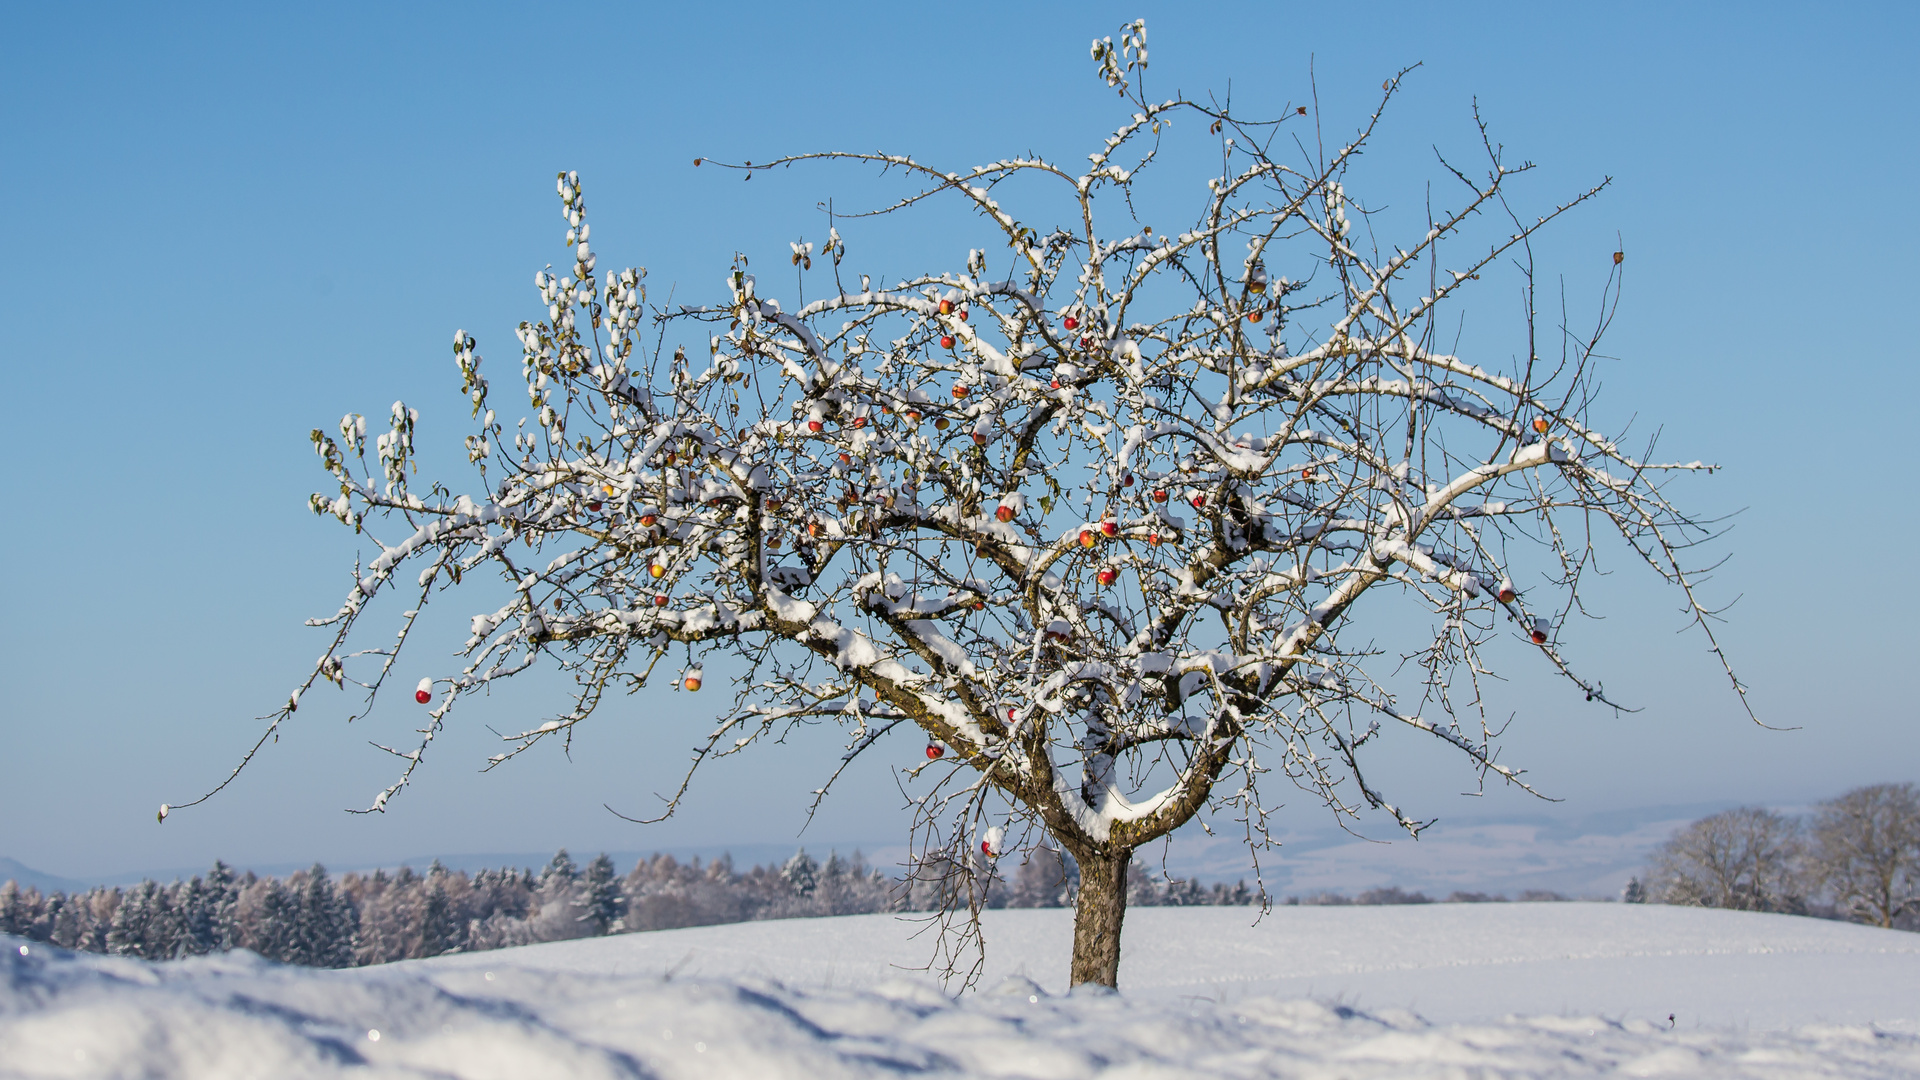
{"x": 327, "y": 922}
{"x": 14, "y": 912}
{"x": 438, "y": 930}
{"x": 137, "y": 923}
{"x": 801, "y": 873}
{"x": 600, "y": 895}
{"x": 561, "y": 866}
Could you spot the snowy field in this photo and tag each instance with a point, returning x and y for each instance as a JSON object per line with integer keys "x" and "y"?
{"x": 1489, "y": 990}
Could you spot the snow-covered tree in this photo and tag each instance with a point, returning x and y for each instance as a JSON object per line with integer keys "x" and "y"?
{"x": 1120, "y": 514}
{"x": 1748, "y": 859}
{"x": 1043, "y": 879}
{"x": 1865, "y": 848}
{"x": 15, "y": 911}
{"x": 196, "y": 906}
{"x": 268, "y": 915}
{"x": 144, "y": 924}
{"x": 325, "y": 929}
{"x": 600, "y": 895}
{"x": 438, "y": 929}
{"x": 800, "y": 873}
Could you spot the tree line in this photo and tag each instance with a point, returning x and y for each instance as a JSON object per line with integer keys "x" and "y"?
{"x": 1854, "y": 857}
{"x": 314, "y": 919}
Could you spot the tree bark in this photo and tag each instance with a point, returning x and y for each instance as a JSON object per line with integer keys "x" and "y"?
{"x": 1097, "y": 917}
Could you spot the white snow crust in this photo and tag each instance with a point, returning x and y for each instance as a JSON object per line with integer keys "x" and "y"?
{"x": 1486, "y": 990}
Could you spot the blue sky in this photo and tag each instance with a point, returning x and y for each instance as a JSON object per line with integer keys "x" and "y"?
{"x": 224, "y": 226}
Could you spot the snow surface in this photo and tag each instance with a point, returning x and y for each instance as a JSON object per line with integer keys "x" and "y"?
{"x": 1544, "y": 990}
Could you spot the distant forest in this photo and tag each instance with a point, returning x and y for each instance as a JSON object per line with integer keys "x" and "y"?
{"x": 1855, "y": 857}
{"x": 311, "y": 918}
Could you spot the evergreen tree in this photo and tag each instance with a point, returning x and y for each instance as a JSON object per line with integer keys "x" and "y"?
{"x": 276, "y": 912}
{"x": 127, "y": 934}
{"x": 194, "y": 908}
{"x": 47, "y": 916}
{"x": 801, "y": 873}
{"x": 1634, "y": 893}
{"x": 326, "y": 924}
{"x": 222, "y": 892}
{"x": 13, "y": 909}
{"x": 72, "y": 925}
{"x": 600, "y": 895}
{"x": 560, "y": 866}
{"x": 438, "y": 931}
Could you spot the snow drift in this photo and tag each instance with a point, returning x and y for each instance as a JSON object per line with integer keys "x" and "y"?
{"x": 1494, "y": 990}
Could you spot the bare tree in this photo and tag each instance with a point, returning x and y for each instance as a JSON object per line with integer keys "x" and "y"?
{"x": 1748, "y": 859}
{"x": 1866, "y": 851}
{"x": 1095, "y": 514}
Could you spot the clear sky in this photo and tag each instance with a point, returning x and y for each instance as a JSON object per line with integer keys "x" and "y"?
{"x": 221, "y": 227}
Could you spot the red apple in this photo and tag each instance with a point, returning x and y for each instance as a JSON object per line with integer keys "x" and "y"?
{"x": 941, "y": 424}
{"x": 1107, "y": 576}
{"x": 594, "y": 506}
{"x": 657, "y": 571}
{"x": 961, "y": 391}
{"x": 1110, "y": 529}
{"x": 692, "y": 681}
{"x": 1506, "y": 596}
{"x": 986, "y": 848}
{"x": 934, "y": 750}
{"x": 859, "y": 421}
{"x": 1199, "y": 501}
{"x": 946, "y": 307}
{"x": 648, "y": 520}
{"x": 963, "y": 314}
{"x": 1070, "y": 323}
{"x": 1126, "y": 479}
{"x": 946, "y": 341}
{"x": 1254, "y": 315}
{"x": 815, "y": 426}
{"x": 422, "y": 696}
{"x": 1056, "y": 384}
{"x": 1087, "y": 538}
{"x": 660, "y": 600}
{"x": 1005, "y": 513}
{"x": 1153, "y": 539}
{"x": 1539, "y": 636}
{"x": 1540, "y": 424}
{"x": 1159, "y": 495}
{"x": 1009, "y": 712}
{"x": 913, "y": 416}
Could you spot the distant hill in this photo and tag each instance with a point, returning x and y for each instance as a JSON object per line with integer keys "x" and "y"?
{"x": 29, "y": 878}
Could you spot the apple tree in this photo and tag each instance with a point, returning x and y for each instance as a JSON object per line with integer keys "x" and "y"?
{"x": 1109, "y": 515}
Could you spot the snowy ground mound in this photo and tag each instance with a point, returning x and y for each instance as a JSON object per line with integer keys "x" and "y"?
{"x": 1485, "y": 990}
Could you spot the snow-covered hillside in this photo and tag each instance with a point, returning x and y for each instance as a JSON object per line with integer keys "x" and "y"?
{"x": 1488, "y": 989}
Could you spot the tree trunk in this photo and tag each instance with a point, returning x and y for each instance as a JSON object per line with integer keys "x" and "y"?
{"x": 1097, "y": 917}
